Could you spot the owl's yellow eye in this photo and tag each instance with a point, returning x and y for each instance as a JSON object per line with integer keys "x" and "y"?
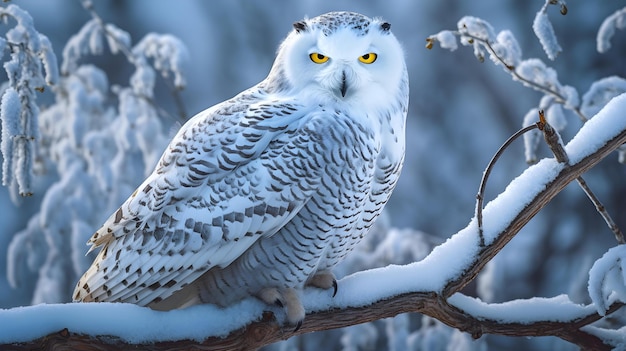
{"x": 368, "y": 58}
{"x": 318, "y": 58}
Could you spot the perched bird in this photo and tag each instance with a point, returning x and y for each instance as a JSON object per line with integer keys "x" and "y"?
{"x": 263, "y": 194}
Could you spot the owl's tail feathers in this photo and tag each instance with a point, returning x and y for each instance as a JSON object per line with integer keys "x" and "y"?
{"x": 108, "y": 230}
{"x": 86, "y": 290}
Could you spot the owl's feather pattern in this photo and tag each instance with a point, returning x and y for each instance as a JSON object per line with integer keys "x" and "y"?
{"x": 268, "y": 190}
{"x": 217, "y": 177}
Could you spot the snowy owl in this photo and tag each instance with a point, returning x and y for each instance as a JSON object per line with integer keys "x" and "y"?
{"x": 263, "y": 194}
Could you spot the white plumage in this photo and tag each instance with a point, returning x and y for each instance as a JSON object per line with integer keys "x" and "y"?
{"x": 265, "y": 193}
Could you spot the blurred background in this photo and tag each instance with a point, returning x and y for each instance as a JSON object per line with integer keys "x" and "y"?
{"x": 460, "y": 112}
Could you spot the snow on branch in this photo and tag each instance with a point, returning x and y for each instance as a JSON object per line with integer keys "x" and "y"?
{"x": 90, "y": 41}
{"x": 169, "y": 54}
{"x": 430, "y": 286}
{"x": 607, "y": 279}
{"x": 161, "y": 52}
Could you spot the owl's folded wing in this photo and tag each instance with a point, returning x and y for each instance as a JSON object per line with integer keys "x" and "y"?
{"x": 224, "y": 181}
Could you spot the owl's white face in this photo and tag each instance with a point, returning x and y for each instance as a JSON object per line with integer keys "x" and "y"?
{"x": 344, "y": 65}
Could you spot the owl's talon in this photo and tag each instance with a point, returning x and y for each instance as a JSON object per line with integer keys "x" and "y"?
{"x": 298, "y": 325}
{"x": 324, "y": 280}
{"x": 293, "y": 307}
{"x": 271, "y": 296}
{"x": 286, "y": 299}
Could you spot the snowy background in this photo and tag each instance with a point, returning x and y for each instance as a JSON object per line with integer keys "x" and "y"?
{"x": 461, "y": 111}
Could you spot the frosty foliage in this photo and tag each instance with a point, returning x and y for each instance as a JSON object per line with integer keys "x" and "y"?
{"x": 98, "y": 149}
{"x": 169, "y": 55}
{"x": 607, "y": 279}
{"x": 545, "y": 33}
{"x": 504, "y": 50}
{"x": 90, "y": 41}
{"x": 600, "y": 93}
{"x": 32, "y": 65}
{"x": 507, "y": 49}
{"x": 615, "y": 21}
{"x": 534, "y": 74}
{"x": 446, "y": 40}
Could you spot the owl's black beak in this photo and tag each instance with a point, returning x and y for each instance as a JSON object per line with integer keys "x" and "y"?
{"x": 344, "y": 84}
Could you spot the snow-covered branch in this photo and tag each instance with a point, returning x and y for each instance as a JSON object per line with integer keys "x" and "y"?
{"x": 430, "y": 286}
{"x": 504, "y": 50}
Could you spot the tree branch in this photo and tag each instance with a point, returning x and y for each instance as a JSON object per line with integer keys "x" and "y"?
{"x": 268, "y": 330}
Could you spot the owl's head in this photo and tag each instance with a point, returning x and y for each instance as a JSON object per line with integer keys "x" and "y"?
{"x": 341, "y": 56}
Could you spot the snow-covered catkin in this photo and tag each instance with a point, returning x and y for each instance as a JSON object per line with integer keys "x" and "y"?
{"x": 31, "y": 66}
{"x": 10, "y": 116}
{"x": 545, "y": 33}
{"x": 168, "y": 53}
{"x": 615, "y": 21}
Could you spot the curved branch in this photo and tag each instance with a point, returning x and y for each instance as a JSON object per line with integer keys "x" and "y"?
{"x": 566, "y": 176}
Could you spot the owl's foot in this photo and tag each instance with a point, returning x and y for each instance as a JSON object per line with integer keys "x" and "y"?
{"x": 324, "y": 280}
{"x": 288, "y": 299}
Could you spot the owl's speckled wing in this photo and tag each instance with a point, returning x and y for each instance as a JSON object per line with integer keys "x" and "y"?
{"x": 227, "y": 179}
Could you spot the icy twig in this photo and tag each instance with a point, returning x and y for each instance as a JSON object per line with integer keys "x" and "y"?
{"x": 556, "y": 145}
{"x": 619, "y": 236}
{"x": 559, "y": 98}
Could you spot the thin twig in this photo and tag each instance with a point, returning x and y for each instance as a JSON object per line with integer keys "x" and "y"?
{"x": 602, "y": 210}
{"x": 483, "y": 182}
{"x": 553, "y": 139}
{"x": 556, "y": 145}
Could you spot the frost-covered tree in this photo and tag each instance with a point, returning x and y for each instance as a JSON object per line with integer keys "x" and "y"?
{"x": 98, "y": 147}
{"x": 96, "y": 141}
